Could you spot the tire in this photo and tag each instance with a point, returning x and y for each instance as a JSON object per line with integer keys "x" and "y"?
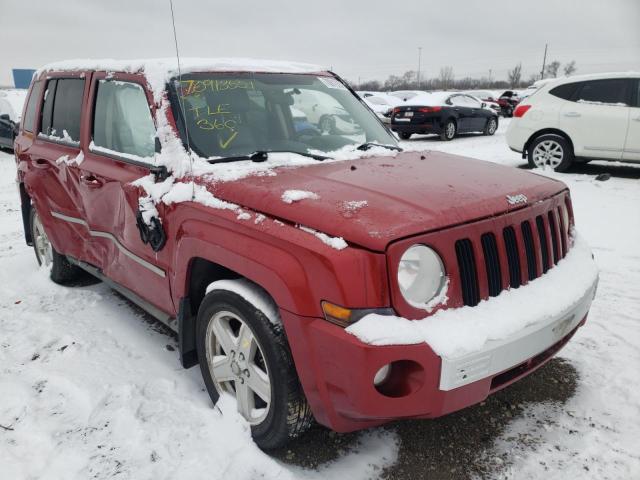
{"x": 491, "y": 126}
{"x": 61, "y": 271}
{"x": 223, "y": 314}
{"x": 550, "y": 150}
{"x": 449, "y": 130}
{"x": 404, "y": 135}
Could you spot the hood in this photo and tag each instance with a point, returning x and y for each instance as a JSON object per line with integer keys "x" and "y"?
{"x": 374, "y": 201}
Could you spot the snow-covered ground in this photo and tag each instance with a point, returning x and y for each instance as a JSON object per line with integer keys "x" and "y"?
{"x": 90, "y": 388}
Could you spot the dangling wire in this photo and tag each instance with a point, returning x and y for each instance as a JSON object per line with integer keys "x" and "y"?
{"x": 184, "y": 116}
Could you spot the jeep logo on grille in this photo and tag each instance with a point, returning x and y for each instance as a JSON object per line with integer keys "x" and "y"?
{"x": 516, "y": 199}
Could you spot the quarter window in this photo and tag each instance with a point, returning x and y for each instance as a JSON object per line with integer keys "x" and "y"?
{"x": 122, "y": 120}
{"x": 62, "y": 109}
{"x": 30, "y": 113}
{"x": 565, "y": 91}
{"x": 610, "y": 92}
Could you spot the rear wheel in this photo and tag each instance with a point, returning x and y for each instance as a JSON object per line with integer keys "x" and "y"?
{"x": 491, "y": 126}
{"x": 244, "y": 354}
{"x": 449, "y": 131}
{"x": 405, "y": 135}
{"x": 550, "y": 151}
{"x": 60, "y": 270}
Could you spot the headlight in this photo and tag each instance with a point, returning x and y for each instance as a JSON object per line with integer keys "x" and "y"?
{"x": 421, "y": 275}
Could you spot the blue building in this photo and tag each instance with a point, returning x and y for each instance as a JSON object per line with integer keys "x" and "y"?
{"x": 22, "y": 77}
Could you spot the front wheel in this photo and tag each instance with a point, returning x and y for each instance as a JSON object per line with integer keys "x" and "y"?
{"x": 550, "y": 151}
{"x": 60, "y": 270}
{"x": 405, "y": 135}
{"x": 491, "y": 126}
{"x": 449, "y": 131}
{"x": 244, "y": 354}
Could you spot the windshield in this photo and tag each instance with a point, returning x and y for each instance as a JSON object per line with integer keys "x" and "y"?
{"x": 235, "y": 114}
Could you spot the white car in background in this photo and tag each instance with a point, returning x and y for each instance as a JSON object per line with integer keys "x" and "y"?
{"x": 11, "y": 103}
{"x": 381, "y": 103}
{"x": 579, "y": 118}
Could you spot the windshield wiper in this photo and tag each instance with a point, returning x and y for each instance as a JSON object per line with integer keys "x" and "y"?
{"x": 367, "y": 145}
{"x": 263, "y": 155}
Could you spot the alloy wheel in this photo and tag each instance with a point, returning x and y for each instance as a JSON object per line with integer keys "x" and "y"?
{"x": 450, "y": 130}
{"x": 548, "y": 152}
{"x": 44, "y": 250}
{"x": 492, "y": 126}
{"x": 237, "y": 365}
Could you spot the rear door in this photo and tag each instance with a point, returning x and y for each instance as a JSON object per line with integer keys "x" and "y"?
{"x": 51, "y": 177}
{"x": 597, "y": 118}
{"x": 632, "y": 145}
{"x": 121, "y": 148}
{"x": 463, "y": 111}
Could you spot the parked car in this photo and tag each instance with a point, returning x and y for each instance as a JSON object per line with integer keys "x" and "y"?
{"x": 577, "y": 119}
{"x": 327, "y": 114}
{"x": 267, "y": 261}
{"x": 381, "y": 103}
{"x": 443, "y": 113}
{"x": 508, "y": 101}
{"x": 405, "y": 95}
{"x": 487, "y": 97}
{"x": 11, "y": 104}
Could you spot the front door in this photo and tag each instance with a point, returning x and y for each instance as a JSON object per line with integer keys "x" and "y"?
{"x": 632, "y": 145}
{"x": 597, "y": 117}
{"x": 121, "y": 139}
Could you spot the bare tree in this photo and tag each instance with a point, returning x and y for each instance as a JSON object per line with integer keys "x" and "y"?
{"x": 446, "y": 77}
{"x": 515, "y": 75}
{"x": 552, "y": 68}
{"x": 570, "y": 68}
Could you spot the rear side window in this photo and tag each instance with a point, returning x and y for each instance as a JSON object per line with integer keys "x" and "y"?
{"x": 565, "y": 91}
{"x": 610, "y": 92}
{"x": 30, "y": 113}
{"x": 122, "y": 120}
{"x": 62, "y": 109}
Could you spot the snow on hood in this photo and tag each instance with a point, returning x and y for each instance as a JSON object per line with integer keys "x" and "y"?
{"x": 373, "y": 201}
{"x": 460, "y": 331}
{"x": 159, "y": 70}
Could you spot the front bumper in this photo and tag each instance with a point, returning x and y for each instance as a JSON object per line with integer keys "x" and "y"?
{"x": 336, "y": 369}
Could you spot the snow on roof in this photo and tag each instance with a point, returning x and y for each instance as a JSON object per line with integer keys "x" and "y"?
{"x": 430, "y": 98}
{"x": 159, "y": 70}
{"x": 548, "y": 82}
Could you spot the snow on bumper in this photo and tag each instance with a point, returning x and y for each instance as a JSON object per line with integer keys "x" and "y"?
{"x": 497, "y": 334}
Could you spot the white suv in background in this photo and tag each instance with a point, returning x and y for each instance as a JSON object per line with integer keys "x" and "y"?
{"x": 579, "y": 118}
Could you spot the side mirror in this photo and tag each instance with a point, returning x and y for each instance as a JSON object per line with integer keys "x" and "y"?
{"x": 484, "y": 104}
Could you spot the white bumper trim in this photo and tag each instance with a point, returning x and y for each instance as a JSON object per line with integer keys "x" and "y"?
{"x": 499, "y": 355}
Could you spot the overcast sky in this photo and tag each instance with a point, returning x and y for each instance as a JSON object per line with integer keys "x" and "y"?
{"x": 360, "y": 39}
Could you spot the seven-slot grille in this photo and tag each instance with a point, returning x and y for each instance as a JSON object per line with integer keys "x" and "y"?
{"x": 541, "y": 240}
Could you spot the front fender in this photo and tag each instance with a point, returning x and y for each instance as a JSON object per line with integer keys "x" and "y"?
{"x": 295, "y": 267}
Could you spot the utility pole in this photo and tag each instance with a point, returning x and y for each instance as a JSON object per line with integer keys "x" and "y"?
{"x": 419, "y": 65}
{"x": 544, "y": 61}
{"x": 490, "y": 72}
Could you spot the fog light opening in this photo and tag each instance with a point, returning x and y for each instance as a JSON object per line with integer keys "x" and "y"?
{"x": 382, "y": 375}
{"x": 399, "y": 379}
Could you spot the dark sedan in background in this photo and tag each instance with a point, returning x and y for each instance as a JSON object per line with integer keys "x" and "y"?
{"x": 443, "y": 113}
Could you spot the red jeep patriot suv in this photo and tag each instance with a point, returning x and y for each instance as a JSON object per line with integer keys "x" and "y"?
{"x": 311, "y": 267}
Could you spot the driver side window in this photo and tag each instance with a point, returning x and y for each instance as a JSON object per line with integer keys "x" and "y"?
{"x": 122, "y": 120}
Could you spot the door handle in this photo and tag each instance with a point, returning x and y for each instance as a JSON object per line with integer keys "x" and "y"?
{"x": 572, "y": 114}
{"x": 41, "y": 163}
{"x": 90, "y": 180}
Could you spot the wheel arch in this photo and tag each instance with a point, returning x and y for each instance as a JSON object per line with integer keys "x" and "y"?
{"x": 545, "y": 131}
